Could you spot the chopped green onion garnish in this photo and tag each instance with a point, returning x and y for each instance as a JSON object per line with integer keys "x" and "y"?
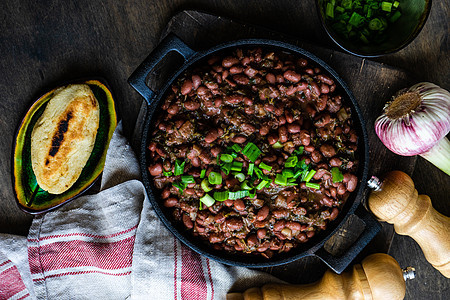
{"x": 251, "y": 151}
{"x": 246, "y": 186}
{"x": 291, "y": 162}
{"x": 281, "y": 180}
{"x": 258, "y": 172}
{"x": 262, "y": 184}
{"x": 347, "y": 4}
{"x": 205, "y": 185}
{"x": 226, "y": 168}
{"x": 221, "y": 196}
{"x": 236, "y": 166}
{"x": 299, "y": 151}
{"x": 252, "y": 194}
{"x": 240, "y": 176}
{"x": 330, "y": 10}
{"x": 207, "y": 200}
{"x": 265, "y": 167}
{"x": 395, "y": 4}
{"x": 277, "y": 145}
{"x": 288, "y": 173}
{"x": 187, "y": 179}
{"x": 226, "y": 158}
{"x": 302, "y": 165}
{"x": 356, "y": 19}
{"x": 376, "y": 24}
{"x": 179, "y": 167}
{"x": 167, "y": 173}
{"x": 336, "y": 175}
{"x": 215, "y": 178}
{"x": 310, "y": 175}
{"x": 299, "y": 173}
{"x": 250, "y": 169}
{"x": 236, "y": 148}
{"x": 386, "y": 6}
{"x": 180, "y": 186}
{"x": 340, "y": 9}
{"x": 200, "y": 205}
{"x": 237, "y": 195}
{"x": 313, "y": 185}
{"x": 202, "y": 173}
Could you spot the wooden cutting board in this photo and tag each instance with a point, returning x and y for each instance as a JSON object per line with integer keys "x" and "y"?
{"x": 371, "y": 82}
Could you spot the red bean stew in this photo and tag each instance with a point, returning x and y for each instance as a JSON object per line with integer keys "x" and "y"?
{"x": 254, "y": 151}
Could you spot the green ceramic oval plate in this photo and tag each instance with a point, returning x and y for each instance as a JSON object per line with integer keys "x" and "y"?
{"x": 29, "y": 196}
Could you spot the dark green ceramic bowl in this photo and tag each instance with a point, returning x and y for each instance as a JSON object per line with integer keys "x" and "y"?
{"x": 29, "y": 196}
{"x": 398, "y": 35}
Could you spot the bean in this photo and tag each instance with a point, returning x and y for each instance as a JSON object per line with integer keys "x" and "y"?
{"x": 341, "y": 188}
{"x": 241, "y": 79}
{"x": 239, "y": 205}
{"x": 196, "y": 81}
{"x": 227, "y": 202}
{"x": 316, "y": 156}
{"x": 234, "y": 223}
{"x": 292, "y": 76}
{"x": 215, "y": 151}
{"x": 310, "y": 234}
{"x": 264, "y": 130}
{"x": 334, "y": 213}
{"x": 351, "y": 181}
{"x": 261, "y": 224}
{"x": 171, "y": 202}
{"x": 296, "y": 226}
{"x": 231, "y": 182}
{"x": 302, "y": 62}
{"x": 309, "y": 148}
{"x": 234, "y": 99}
{"x": 300, "y": 211}
{"x": 191, "y": 105}
{"x": 248, "y": 101}
{"x": 272, "y": 138}
{"x": 321, "y": 103}
{"x": 229, "y": 61}
{"x": 279, "y": 225}
{"x": 263, "y": 247}
{"x": 270, "y": 78}
{"x": 327, "y": 150}
{"x": 236, "y": 70}
{"x": 165, "y": 193}
{"x": 305, "y": 137}
{"x": 318, "y": 175}
{"x": 287, "y": 232}
{"x": 248, "y": 128}
{"x": 189, "y": 191}
{"x": 269, "y": 158}
{"x": 325, "y": 79}
{"x": 262, "y": 214}
{"x": 291, "y": 90}
{"x": 216, "y": 238}
{"x": 187, "y": 221}
{"x": 327, "y": 201}
{"x": 252, "y": 240}
{"x": 173, "y": 109}
{"x": 195, "y": 162}
{"x": 238, "y": 139}
{"x": 324, "y": 89}
{"x": 293, "y": 128}
{"x": 152, "y": 146}
{"x": 335, "y": 162}
{"x": 186, "y": 88}
{"x": 315, "y": 88}
{"x": 250, "y": 72}
{"x": 155, "y": 169}
{"x": 219, "y": 218}
{"x": 281, "y": 213}
{"x": 269, "y": 107}
{"x": 301, "y": 237}
{"x": 261, "y": 233}
{"x": 211, "y": 136}
{"x": 283, "y": 134}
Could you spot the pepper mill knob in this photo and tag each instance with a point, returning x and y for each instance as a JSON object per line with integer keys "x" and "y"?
{"x": 379, "y": 276}
{"x": 398, "y": 202}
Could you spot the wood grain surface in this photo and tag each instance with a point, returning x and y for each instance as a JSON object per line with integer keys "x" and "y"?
{"x": 44, "y": 43}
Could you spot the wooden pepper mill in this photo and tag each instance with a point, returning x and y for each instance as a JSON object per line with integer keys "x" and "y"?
{"x": 396, "y": 201}
{"x": 379, "y": 276}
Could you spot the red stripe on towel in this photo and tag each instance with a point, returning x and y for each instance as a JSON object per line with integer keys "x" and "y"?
{"x": 175, "y": 269}
{"x": 210, "y": 279}
{"x": 82, "y": 234}
{"x": 72, "y": 254}
{"x": 5, "y": 262}
{"x": 193, "y": 283}
{"x": 10, "y": 283}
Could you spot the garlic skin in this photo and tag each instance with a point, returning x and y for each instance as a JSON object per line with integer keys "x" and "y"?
{"x": 416, "y": 121}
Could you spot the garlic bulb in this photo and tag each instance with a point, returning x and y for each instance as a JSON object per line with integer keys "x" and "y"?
{"x": 416, "y": 122}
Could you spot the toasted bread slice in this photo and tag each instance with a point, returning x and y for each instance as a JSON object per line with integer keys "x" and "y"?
{"x": 64, "y": 136}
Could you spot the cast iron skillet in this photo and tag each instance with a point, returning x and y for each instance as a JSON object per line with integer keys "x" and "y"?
{"x": 314, "y": 246}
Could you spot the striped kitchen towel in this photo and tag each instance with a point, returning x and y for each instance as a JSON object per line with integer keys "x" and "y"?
{"x": 111, "y": 245}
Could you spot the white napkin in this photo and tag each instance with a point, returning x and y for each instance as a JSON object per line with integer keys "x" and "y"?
{"x": 111, "y": 245}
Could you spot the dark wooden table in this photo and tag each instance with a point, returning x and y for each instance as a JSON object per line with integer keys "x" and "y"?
{"x": 43, "y": 43}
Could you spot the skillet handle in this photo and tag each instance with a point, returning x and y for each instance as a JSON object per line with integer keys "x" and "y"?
{"x": 138, "y": 79}
{"x": 339, "y": 263}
